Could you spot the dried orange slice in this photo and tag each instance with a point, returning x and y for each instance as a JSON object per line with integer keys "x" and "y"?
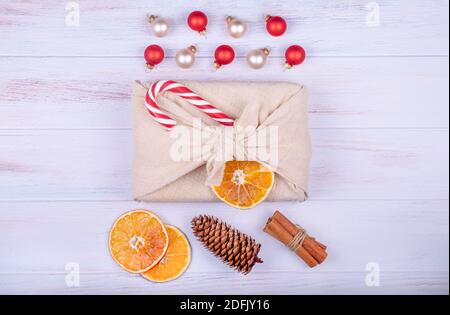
{"x": 138, "y": 240}
{"x": 175, "y": 261}
{"x": 245, "y": 184}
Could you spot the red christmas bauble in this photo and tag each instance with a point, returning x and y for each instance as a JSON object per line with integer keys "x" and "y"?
{"x": 197, "y": 21}
{"x": 153, "y": 55}
{"x": 275, "y": 25}
{"x": 295, "y": 55}
{"x": 224, "y": 55}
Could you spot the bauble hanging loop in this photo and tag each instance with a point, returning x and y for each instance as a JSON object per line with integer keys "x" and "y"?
{"x": 197, "y": 21}
{"x": 295, "y": 55}
{"x": 275, "y": 25}
{"x": 236, "y": 27}
{"x": 185, "y": 58}
{"x": 223, "y": 55}
{"x": 153, "y": 55}
{"x": 257, "y": 58}
{"x": 160, "y": 26}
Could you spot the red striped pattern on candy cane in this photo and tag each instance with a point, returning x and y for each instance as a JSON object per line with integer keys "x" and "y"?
{"x": 185, "y": 93}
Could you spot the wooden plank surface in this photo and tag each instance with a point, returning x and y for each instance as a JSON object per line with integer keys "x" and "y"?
{"x": 95, "y": 92}
{"x": 378, "y": 112}
{"x": 400, "y": 236}
{"x": 324, "y": 27}
{"x": 232, "y": 284}
{"x": 349, "y": 164}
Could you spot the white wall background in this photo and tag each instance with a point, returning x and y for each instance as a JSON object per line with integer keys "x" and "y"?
{"x": 379, "y": 122}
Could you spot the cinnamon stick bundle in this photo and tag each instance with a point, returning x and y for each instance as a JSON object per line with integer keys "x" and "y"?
{"x": 292, "y": 235}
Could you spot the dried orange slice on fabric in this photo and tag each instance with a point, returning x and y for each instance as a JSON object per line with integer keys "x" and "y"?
{"x": 245, "y": 184}
{"x": 138, "y": 240}
{"x": 175, "y": 261}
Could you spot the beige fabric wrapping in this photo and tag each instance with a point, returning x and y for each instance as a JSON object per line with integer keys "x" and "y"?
{"x": 157, "y": 177}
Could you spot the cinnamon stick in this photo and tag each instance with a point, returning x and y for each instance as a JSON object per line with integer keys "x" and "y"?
{"x": 317, "y": 251}
{"x": 281, "y": 228}
{"x": 319, "y": 243}
{"x": 275, "y": 229}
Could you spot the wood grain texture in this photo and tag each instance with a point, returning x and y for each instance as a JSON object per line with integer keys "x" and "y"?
{"x": 324, "y": 27}
{"x": 344, "y": 92}
{"x": 349, "y": 164}
{"x": 400, "y": 236}
{"x": 232, "y": 284}
{"x": 379, "y": 118}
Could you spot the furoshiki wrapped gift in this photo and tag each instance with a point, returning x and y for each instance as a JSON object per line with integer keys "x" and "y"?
{"x": 180, "y": 150}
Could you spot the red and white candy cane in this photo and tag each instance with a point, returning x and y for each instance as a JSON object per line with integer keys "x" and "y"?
{"x": 185, "y": 93}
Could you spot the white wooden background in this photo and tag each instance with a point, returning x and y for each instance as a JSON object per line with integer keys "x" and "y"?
{"x": 379, "y": 122}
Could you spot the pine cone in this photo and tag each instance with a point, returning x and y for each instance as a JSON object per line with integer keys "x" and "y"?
{"x": 236, "y": 249}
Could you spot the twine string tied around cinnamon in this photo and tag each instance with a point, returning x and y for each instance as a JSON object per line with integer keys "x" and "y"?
{"x": 298, "y": 239}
